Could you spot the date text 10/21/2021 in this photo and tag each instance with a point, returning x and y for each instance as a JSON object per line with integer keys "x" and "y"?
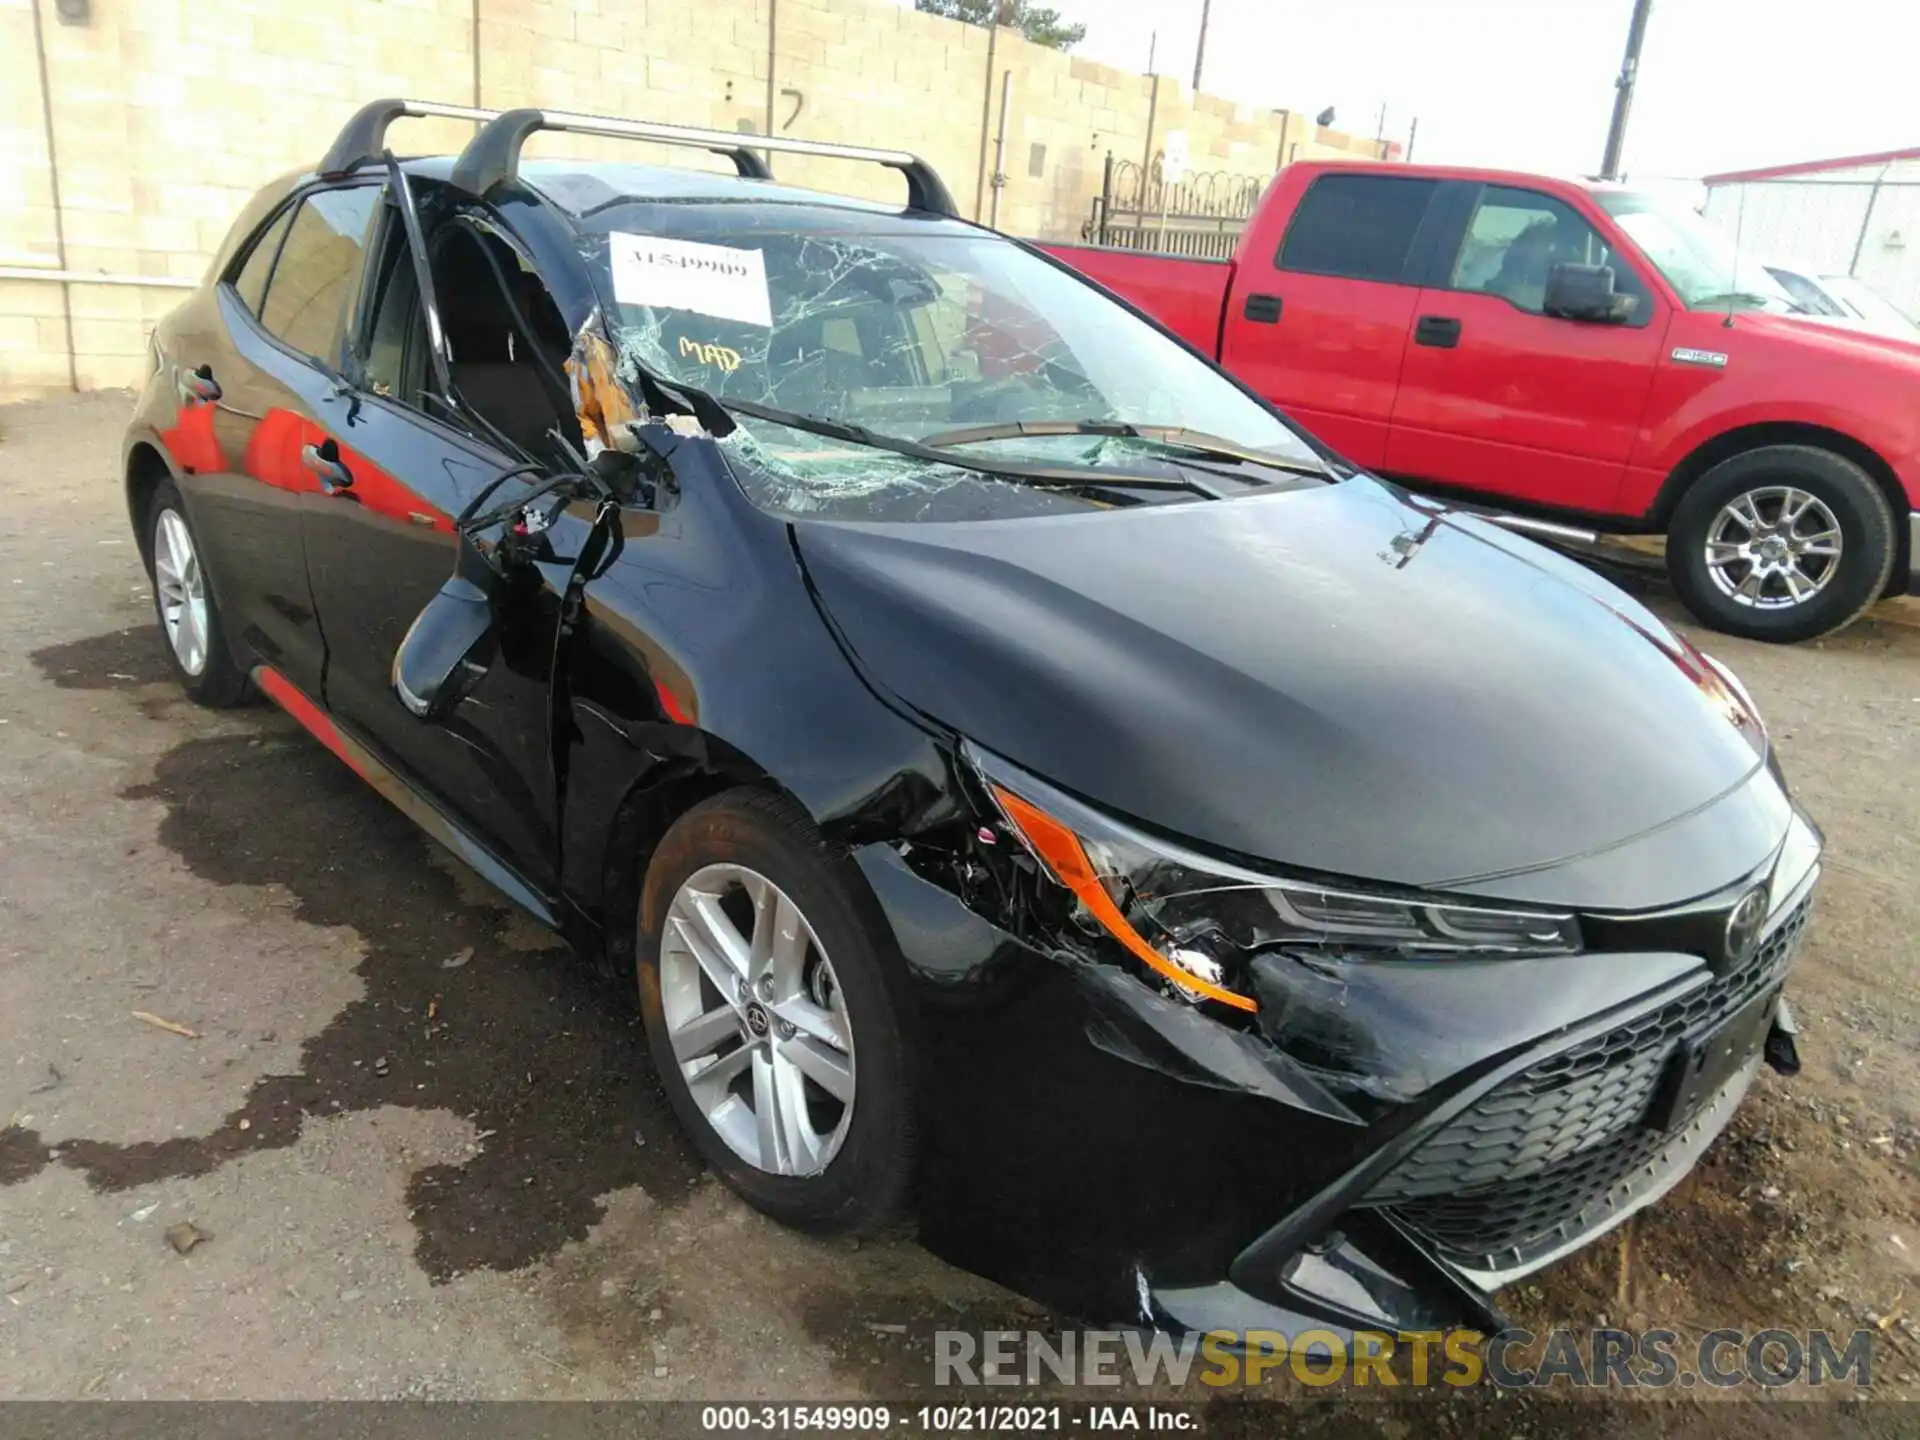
{"x": 981, "y": 1419}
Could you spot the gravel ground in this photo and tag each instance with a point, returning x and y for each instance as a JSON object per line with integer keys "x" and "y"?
{"x": 408, "y": 1126}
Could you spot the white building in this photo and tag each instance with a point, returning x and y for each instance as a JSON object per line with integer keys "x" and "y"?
{"x": 1858, "y": 215}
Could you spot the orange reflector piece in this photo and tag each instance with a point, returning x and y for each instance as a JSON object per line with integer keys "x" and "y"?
{"x": 1060, "y": 848}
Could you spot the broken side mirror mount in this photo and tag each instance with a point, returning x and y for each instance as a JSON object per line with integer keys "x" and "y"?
{"x": 456, "y": 639}
{"x": 445, "y": 651}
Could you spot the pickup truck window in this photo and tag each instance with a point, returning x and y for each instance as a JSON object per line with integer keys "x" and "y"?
{"x": 1516, "y": 236}
{"x": 910, "y": 331}
{"x": 1360, "y": 227}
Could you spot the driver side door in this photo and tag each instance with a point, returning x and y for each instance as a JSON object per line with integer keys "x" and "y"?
{"x": 380, "y": 542}
{"x": 1498, "y": 397}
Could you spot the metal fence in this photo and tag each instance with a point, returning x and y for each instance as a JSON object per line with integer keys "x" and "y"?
{"x": 1860, "y": 222}
{"x": 1201, "y": 216}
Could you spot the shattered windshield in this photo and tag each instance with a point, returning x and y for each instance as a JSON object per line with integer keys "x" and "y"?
{"x": 909, "y": 329}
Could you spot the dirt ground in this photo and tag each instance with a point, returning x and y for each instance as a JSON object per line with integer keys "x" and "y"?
{"x": 423, "y": 1141}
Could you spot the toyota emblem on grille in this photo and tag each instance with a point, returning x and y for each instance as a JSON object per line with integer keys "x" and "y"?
{"x": 1743, "y": 925}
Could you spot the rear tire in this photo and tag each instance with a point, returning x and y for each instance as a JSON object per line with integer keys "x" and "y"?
{"x": 1783, "y": 543}
{"x": 786, "y": 1062}
{"x": 190, "y": 629}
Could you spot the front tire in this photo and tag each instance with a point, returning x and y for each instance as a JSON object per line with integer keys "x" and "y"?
{"x": 1783, "y": 543}
{"x": 184, "y": 605}
{"x": 768, "y": 992}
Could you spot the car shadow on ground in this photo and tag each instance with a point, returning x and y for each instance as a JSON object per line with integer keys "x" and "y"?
{"x": 548, "y": 1062}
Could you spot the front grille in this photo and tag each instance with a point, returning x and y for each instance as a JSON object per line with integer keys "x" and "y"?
{"x": 1527, "y": 1162}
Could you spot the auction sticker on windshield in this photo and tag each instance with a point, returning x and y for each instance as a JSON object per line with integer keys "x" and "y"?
{"x": 715, "y": 280}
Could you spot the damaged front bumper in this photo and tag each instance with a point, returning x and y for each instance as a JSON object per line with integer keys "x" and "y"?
{"x": 1394, "y": 1145}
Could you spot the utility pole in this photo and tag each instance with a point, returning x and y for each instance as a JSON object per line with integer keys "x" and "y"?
{"x": 1623, "y": 90}
{"x": 1200, "y": 50}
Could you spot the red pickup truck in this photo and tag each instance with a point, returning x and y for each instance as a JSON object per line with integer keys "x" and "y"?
{"x": 1572, "y": 349}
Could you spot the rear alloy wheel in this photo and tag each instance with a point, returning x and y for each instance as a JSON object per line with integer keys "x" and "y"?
{"x": 183, "y": 601}
{"x": 773, "y": 1025}
{"x": 1783, "y": 543}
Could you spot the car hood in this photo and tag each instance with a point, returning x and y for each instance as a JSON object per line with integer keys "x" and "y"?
{"x": 1838, "y": 336}
{"x": 1337, "y": 678}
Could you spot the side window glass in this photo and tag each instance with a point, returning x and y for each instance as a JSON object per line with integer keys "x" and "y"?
{"x": 1517, "y": 236}
{"x": 319, "y": 265}
{"x": 251, "y": 282}
{"x": 1357, "y": 226}
{"x": 396, "y": 362}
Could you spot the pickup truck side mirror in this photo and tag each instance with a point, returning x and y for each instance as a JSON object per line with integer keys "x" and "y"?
{"x": 1585, "y": 292}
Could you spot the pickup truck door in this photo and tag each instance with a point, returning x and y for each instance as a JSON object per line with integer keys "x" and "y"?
{"x": 1320, "y": 326}
{"x": 1496, "y": 396}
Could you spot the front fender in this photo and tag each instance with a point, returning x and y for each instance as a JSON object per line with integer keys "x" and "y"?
{"x": 702, "y": 659}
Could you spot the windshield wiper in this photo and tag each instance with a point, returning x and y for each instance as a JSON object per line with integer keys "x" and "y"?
{"x": 716, "y": 415}
{"x": 1196, "y": 442}
{"x": 1734, "y": 297}
{"x": 1044, "y": 477}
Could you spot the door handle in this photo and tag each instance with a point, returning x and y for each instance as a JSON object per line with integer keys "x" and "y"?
{"x": 1440, "y": 331}
{"x": 1262, "y": 309}
{"x": 324, "y": 461}
{"x": 197, "y": 386}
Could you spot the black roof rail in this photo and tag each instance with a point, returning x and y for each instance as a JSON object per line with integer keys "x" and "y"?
{"x": 493, "y": 155}
{"x": 364, "y": 137}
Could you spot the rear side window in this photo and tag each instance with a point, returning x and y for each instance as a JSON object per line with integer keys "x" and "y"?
{"x": 251, "y": 282}
{"x": 318, "y": 268}
{"x": 1357, "y": 226}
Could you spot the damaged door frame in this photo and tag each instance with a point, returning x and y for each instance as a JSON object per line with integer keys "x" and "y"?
{"x": 438, "y": 409}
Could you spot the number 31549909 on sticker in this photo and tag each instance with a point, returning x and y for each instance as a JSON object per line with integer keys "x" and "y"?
{"x": 717, "y": 280}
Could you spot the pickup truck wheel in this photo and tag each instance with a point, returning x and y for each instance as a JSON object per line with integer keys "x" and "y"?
{"x": 770, "y": 1017}
{"x": 1782, "y": 543}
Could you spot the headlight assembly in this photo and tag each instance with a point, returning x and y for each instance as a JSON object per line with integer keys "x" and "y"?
{"x": 1197, "y": 921}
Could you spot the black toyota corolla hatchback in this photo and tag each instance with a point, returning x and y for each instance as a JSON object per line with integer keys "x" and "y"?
{"x": 1038, "y": 788}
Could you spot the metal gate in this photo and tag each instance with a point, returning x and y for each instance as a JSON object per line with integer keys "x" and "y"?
{"x": 1200, "y": 216}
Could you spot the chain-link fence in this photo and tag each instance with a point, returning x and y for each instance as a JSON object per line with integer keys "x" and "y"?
{"x": 1863, "y": 222}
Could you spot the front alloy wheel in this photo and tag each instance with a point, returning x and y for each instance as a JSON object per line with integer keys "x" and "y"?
{"x": 773, "y": 995}
{"x": 756, "y": 1020}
